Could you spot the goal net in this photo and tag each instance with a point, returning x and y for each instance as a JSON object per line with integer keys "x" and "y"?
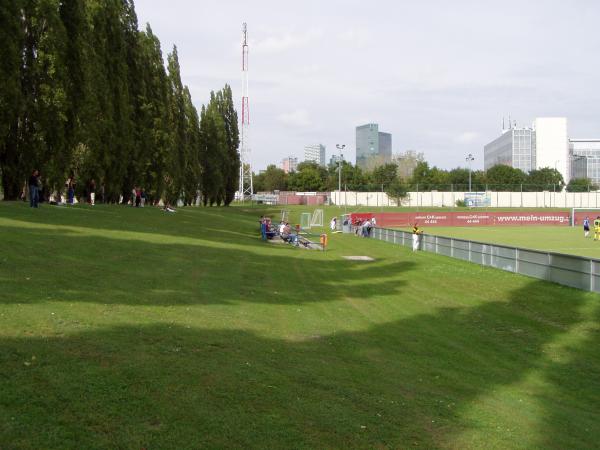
{"x": 317, "y": 218}
{"x": 305, "y": 220}
{"x": 579, "y": 214}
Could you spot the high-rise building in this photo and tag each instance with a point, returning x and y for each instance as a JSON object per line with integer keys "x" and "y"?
{"x": 316, "y": 153}
{"x": 333, "y": 161}
{"x": 515, "y": 148}
{"x": 373, "y": 148}
{"x": 289, "y": 164}
{"x": 385, "y": 147}
{"x": 552, "y": 144}
{"x": 545, "y": 144}
{"x": 585, "y": 159}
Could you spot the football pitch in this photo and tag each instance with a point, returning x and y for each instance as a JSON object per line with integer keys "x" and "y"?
{"x": 135, "y": 328}
{"x": 560, "y": 239}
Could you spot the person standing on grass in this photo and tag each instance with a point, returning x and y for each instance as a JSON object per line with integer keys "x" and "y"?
{"x": 92, "y": 191}
{"x": 263, "y": 228}
{"x": 70, "y": 185}
{"x": 34, "y": 189}
{"x": 586, "y": 226}
{"x": 597, "y": 228}
{"x": 138, "y": 197}
{"x": 333, "y": 224}
{"x": 416, "y": 237}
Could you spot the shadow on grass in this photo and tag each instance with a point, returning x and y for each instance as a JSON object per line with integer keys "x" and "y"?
{"x": 225, "y": 225}
{"x": 80, "y": 268}
{"x": 413, "y": 382}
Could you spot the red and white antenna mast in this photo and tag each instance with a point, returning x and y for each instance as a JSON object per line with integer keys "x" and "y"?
{"x": 245, "y": 189}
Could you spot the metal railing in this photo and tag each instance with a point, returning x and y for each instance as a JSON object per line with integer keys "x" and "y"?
{"x": 570, "y": 270}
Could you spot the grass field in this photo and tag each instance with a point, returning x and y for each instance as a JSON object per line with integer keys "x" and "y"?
{"x": 561, "y": 239}
{"x": 134, "y": 328}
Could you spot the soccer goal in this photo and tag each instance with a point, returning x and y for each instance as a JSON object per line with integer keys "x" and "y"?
{"x": 305, "y": 220}
{"x": 285, "y": 215}
{"x": 578, "y": 214}
{"x": 317, "y": 218}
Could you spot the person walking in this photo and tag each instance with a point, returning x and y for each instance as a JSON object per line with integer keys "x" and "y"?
{"x": 34, "y": 188}
{"x": 92, "y": 190}
{"x": 586, "y": 226}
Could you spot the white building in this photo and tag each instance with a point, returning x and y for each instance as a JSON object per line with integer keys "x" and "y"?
{"x": 515, "y": 147}
{"x": 552, "y": 144}
{"x": 585, "y": 159}
{"x": 545, "y": 144}
{"x": 316, "y": 153}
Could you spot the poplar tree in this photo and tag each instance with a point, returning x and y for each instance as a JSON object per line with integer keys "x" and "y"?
{"x": 12, "y": 38}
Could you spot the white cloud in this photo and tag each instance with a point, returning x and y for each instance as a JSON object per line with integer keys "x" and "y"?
{"x": 296, "y": 118}
{"x": 286, "y": 41}
{"x": 357, "y": 37}
{"x": 466, "y": 137}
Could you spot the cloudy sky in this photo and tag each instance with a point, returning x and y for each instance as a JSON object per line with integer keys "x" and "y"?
{"x": 438, "y": 75}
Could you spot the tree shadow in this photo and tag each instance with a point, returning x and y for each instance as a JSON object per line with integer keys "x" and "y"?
{"x": 409, "y": 382}
{"x": 222, "y": 225}
{"x": 125, "y": 269}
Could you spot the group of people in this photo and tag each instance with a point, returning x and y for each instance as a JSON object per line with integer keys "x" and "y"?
{"x": 586, "y": 227}
{"x": 268, "y": 231}
{"x": 364, "y": 228}
{"x": 35, "y": 188}
{"x": 138, "y": 197}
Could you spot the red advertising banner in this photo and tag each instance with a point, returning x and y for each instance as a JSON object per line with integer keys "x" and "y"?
{"x": 590, "y": 214}
{"x": 465, "y": 219}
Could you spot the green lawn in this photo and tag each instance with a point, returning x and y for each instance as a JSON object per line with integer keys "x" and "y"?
{"x": 134, "y": 328}
{"x": 561, "y": 239}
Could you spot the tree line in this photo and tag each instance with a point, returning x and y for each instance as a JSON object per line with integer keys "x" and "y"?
{"x": 84, "y": 92}
{"x": 388, "y": 178}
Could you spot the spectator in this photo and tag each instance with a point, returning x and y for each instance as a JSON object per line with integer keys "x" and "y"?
{"x": 92, "y": 191}
{"x": 366, "y": 228}
{"x": 138, "y": 197}
{"x": 263, "y": 228}
{"x": 70, "y": 185}
{"x": 34, "y": 189}
{"x": 416, "y": 237}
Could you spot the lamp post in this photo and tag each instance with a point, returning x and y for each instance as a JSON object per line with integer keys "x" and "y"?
{"x": 340, "y": 147}
{"x": 470, "y": 158}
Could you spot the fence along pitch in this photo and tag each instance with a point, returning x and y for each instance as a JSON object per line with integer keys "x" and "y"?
{"x": 570, "y": 270}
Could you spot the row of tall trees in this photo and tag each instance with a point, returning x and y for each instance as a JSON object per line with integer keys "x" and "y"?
{"x": 85, "y": 92}
{"x": 389, "y": 177}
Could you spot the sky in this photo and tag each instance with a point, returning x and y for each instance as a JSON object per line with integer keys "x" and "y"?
{"x": 439, "y": 75}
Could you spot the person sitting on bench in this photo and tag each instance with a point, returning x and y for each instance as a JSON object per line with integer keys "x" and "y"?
{"x": 287, "y": 235}
{"x": 271, "y": 232}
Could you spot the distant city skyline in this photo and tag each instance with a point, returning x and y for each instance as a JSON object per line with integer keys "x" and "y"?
{"x": 454, "y": 78}
{"x": 316, "y": 153}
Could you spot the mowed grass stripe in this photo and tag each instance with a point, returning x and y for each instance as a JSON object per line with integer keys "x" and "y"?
{"x": 137, "y": 328}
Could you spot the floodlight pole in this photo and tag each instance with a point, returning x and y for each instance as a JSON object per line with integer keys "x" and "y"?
{"x": 340, "y": 147}
{"x": 470, "y": 158}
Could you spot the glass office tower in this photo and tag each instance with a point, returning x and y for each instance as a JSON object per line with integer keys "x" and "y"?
{"x": 373, "y": 147}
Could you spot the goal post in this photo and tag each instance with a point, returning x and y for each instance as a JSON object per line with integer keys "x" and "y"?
{"x": 305, "y": 220}
{"x": 317, "y": 218}
{"x": 578, "y": 214}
